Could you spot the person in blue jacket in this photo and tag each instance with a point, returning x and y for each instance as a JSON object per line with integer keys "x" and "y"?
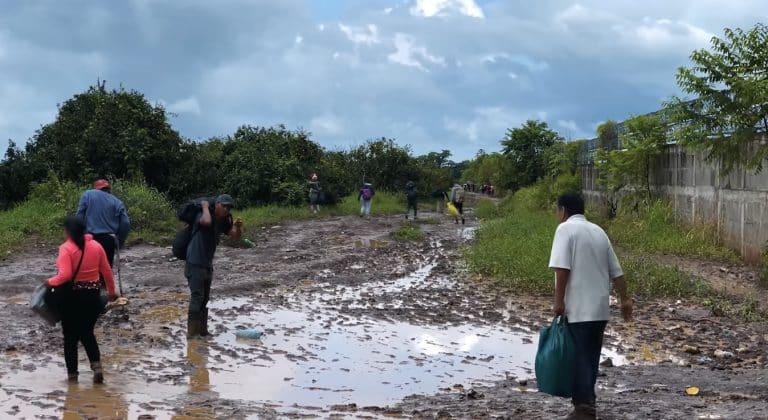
{"x": 105, "y": 216}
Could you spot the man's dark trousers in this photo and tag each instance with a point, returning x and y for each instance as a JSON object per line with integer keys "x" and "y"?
{"x": 588, "y": 340}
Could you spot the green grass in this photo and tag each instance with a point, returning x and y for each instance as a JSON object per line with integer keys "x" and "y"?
{"x": 152, "y": 216}
{"x": 384, "y": 204}
{"x": 515, "y": 248}
{"x": 409, "y": 232}
{"x": 654, "y": 231}
{"x": 32, "y": 219}
{"x": 487, "y": 209}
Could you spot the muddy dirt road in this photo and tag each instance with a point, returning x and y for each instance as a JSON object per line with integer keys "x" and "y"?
{"x": 357, "y": 326}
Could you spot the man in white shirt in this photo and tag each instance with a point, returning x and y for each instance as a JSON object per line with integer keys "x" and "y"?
{"x": 585, "y": 265}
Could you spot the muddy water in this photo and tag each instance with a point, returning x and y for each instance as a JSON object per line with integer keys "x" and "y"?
{"x": 355, "y": 324}
{"x": 311, "y": 356}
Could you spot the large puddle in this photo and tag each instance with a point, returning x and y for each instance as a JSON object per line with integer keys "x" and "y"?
{"x": 312, "y": 356}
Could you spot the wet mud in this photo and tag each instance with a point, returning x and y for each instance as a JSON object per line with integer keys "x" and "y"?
{"x": 357, "y": 325}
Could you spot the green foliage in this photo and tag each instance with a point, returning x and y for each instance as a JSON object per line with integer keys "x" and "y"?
{"x": 654, "y": 230}
{"x": 149, "y": 209}
{"x": 268, "y": 165}
{"x": 114, "y": 133}
{"x": 33, "y": 219}
{"x": 525, "y": 147}
{"x": 563, "y": 158}
{"x": 647, "y": 278}
{"x": 730, "y": 110}
{"x": 489, "y": 169}
{"x": 515, "y": 250}
{"x": 65, "y": 195}
{"x": 764, "y": 269}
{"x": 487, "y": 209}
{"x": 409, "y": 232}
{"x": 118, "y": 134}
{"x": 382, "y": 163}
{"x": 269, "y": 215}
{"x": 643, "y": 141}
{"x": 608, "y": 135}
{"x": 41, "y": 217}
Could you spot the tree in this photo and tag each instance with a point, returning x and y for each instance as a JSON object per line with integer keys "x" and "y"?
{"x": 115, "y": 133}
{"x": 383, "y": 163}
{"x": 16, "y": 176}
{"x": 263, "y": 165}
{"x": 490, "y": 169}
{"x": 608, "y": 135}
{"x": 729, "y": 111}
{"x": 525, "y": 147}
{"x": 643, "y": 140}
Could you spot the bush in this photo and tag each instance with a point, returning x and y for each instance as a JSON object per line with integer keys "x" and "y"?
{"x": 291, "y": 194}
{"x": 64, "y": 195}
{"x": 566, "y": 184}
{"x": 149, "y": 210}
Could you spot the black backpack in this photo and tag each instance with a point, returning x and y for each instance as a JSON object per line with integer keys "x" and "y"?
{"x": 187, "y": 213}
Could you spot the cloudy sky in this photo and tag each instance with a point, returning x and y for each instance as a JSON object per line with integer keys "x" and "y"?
{"x": 435, "y": 74}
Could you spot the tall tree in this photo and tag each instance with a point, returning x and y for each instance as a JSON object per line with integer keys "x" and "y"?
{"x": 643, "y": 139}
{"x": 109, "y": 133}
{"x": 608, "y": 135}
{"x": 729, "y": 109}
{"x": 525, "y": 147}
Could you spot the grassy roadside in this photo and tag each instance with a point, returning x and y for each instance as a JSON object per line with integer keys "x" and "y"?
{"x": 653, "y": 230}
{"x": 152, "y": 216}
{"x": 514, "y": 246}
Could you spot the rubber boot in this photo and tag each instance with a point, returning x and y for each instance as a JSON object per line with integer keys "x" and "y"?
{"x": 98, "y": 373}
{"x": 584, "y": 411}
{"x": 204, "y": 324}
{"x": 72, "y": 378}
{"x": 194, "y": 328}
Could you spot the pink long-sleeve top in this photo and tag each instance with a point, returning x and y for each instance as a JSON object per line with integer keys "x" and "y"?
{"x": 94, "y": 263}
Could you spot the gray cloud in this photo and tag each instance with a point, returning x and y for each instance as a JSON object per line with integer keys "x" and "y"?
{"x": 431, "y": 73}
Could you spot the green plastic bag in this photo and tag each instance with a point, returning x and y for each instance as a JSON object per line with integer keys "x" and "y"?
{"x": 554, "y": 359}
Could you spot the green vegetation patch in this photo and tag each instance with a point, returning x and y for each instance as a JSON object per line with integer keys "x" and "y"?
{"x": 409, "y": 232}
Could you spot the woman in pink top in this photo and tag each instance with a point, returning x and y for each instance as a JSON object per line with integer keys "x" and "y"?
{"x": 83, "y": 262}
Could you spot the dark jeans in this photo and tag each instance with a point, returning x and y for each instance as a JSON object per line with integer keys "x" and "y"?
{"x": 78, "y": 318}
{"x": 459, "y": 207}
{"x": 199, "y": 280}
{"x": 588, "y": 339}
{"x": 412, "y": 204}
{"x": 107, "y": 242}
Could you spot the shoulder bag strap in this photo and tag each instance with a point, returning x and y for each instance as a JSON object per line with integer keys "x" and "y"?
{"x": 77, "y": 270}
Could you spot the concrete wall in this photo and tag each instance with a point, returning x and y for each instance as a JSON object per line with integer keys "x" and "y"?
{"x": 737, "y": 204}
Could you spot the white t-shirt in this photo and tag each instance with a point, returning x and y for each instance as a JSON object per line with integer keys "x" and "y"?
{"x": 584, "y": 248}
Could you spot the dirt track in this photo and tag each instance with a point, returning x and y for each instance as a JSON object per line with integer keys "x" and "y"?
{"x": 357, "y": 325}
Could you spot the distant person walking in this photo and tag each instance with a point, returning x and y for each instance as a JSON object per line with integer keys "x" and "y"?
{"x": 105, "y": 218}
{"x": 81, "y": 264}
{"x": 457, "y": 198}
{"x": 412, "y": 196}
{"x": 314, "y": 194}
{"x": 366, "y": 199}
{"x": 213, "y": 220}
{"x": 585, "y": 267}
